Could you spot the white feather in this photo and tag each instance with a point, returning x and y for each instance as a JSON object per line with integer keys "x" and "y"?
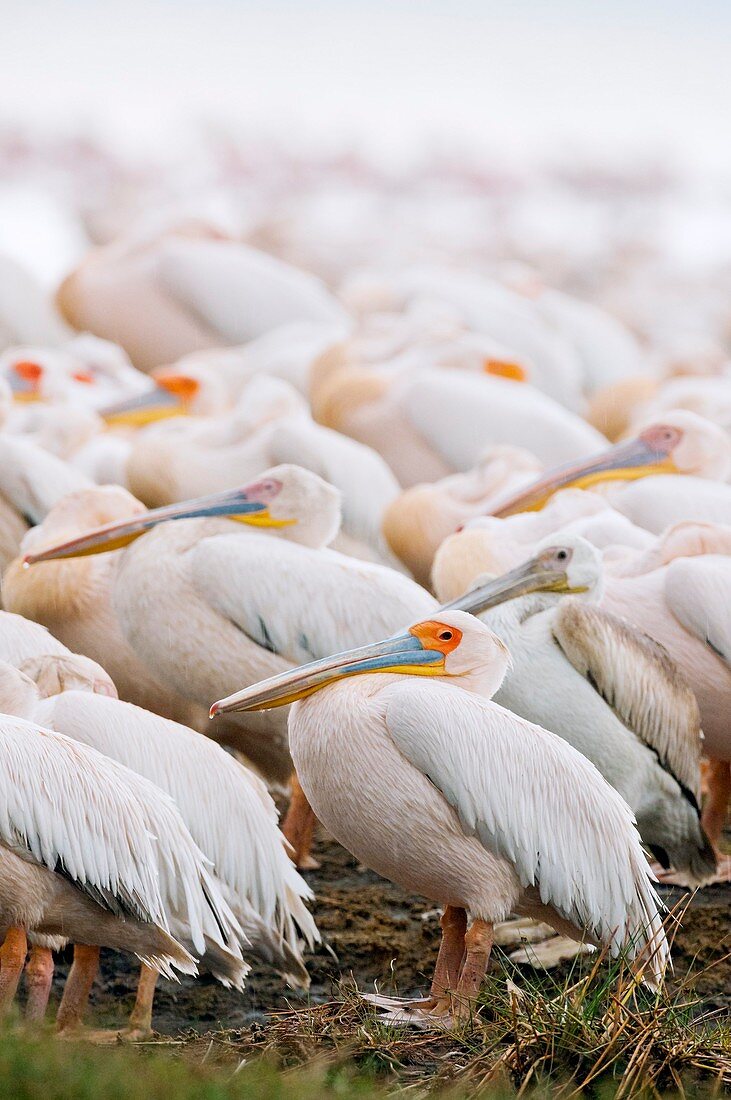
{"x": 114, "y": 834}
{"x": 698, "y": 592}
{"x": 461, "y": 414}
{"x": 532, "y": 799}
{"x": 302, "y": 603}
{"x": 656, "y": 503}
{"x": 240, "y": 292}
{"x": 228, "y": 811}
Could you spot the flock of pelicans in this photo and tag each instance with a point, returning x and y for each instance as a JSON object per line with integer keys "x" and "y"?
{"x": 469, "y": 528}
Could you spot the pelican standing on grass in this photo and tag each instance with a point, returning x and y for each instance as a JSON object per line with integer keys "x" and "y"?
{"x": 409, "y": 764}
{"x": 93, "y": 853}
{"x": 228, "y": 811}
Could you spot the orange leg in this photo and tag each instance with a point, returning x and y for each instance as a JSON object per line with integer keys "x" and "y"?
{"x": 715, "y": 811}
{"x": 140, "y": 1021}
{"x": 12, "y": 961}
{"x": 139, "y": 1026}
{"x": 451, "y": 951}
{"x": 446, "y": 971}
{"x": 449, "y": 962}
{"x": 78, "y": 987}
{"x": 299, "y": 827}
{"x": 38, "y": 982}
{"x": 478, "y": 942}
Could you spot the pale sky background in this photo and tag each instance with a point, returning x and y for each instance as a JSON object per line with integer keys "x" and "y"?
{"x": 527, "y": 79}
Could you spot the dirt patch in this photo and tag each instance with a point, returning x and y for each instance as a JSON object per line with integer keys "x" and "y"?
{"x": 374, "y": 932}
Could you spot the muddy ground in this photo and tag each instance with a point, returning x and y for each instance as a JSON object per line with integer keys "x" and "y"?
{"x": 373, "y": 932}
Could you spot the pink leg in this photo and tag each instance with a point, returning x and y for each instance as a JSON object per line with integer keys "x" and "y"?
{"x": 715, "y": 809}
{"x": 299, "y": 827}
{"x": 12, "y": 961}
{"x": 139, "y": 1027}
{"x": 78, "y": 987}
{"x": 451, "y": 951}
{"x": 478, "y": 942}
{"x": 38, "y": 982}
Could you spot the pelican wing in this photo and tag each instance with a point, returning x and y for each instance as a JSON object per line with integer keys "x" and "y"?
{"x": 228, "y": 810}
{"x": 460, "y": 414}
{"x": 111, "y": 832}
{"x": 532, "y": 799}
{"x": 656, "y": 502}
{"x": 303, "y": 604}
{"x": 640, "y": 682}
{"x": 69, "y": 808}
{"x": 698, "y": 592}
{"x": 22, "y": 638}
{"x": 241, "y": 293}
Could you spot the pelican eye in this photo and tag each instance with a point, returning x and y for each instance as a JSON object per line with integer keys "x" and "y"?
{"x": 445, "y": 635}
{"x": 663, "y": 435}
{"x": 562, "y": 555}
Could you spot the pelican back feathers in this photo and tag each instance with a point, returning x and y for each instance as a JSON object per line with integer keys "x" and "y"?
{"x": 110, "y": 832}
{"x": 640, "y": 682}
{"x": 236, "y": 826}
{"x": 532, "y": 799}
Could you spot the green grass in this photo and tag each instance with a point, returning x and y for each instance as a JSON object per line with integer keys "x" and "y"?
{"x": 38, "y": 1067}
{"x": 593, "y": 1032}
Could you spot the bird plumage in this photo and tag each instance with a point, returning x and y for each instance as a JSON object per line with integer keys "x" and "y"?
{"x": 535, "y": 802}
{"x": 227, "y": 810}
{"x": 111, "y": 833}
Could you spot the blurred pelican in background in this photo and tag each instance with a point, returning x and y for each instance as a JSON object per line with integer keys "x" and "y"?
{"x": 269, "y": 426}
{"x": 428, "y": 423}
{"x": 161, "y": 295}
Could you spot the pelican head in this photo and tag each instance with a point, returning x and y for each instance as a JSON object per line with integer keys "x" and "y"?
{"x": 284, "y": 497}
{"x": 566, "y": 565}
{"x": 80, "y": 511}
{"x": 172, "y": 395}
{"x": 679, "y": 443}
{"x": 452, "y": 645}
{"x": 25, "y": 377}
